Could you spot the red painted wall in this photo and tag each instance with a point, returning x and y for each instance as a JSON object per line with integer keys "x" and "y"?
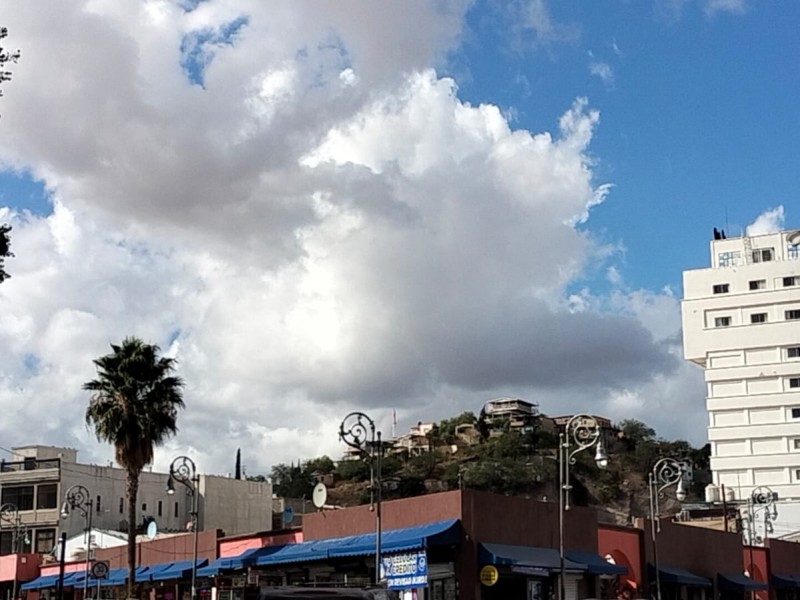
{"x": 702, "y": 551}
{"x": 164, "y": 550}
{"x": 624, "y": 544}
{"x": 22, "y": 567}
{"x": 234, "y": 547}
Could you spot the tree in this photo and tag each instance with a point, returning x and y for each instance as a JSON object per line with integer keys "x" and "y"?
{"x": 5, "y": 250}
{"x": 134, "y": 406}
{"x": 6, "y": 56}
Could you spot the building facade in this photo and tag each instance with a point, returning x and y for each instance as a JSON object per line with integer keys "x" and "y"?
{"x": 37, "y": 478}
{"x": 741, "y": 324}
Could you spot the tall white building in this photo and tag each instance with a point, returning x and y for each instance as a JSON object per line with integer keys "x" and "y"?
{"x": 741, "y": 323}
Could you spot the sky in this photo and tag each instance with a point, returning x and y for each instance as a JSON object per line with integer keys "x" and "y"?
{"x": 401, "y": 208}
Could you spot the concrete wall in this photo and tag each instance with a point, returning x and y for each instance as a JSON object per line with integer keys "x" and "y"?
{"x": 235, "y": 505}
{"x": 164, "y": 550}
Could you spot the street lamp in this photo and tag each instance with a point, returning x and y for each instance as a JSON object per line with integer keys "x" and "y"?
{"x": 9, "y": 513}
{"x": 761, "y": 499}
{"x": 183, "y": 471}
{"x": 77, "y": 497}
{"x": 581, "y": 432}
{"x": 665, "y": 473}
{"x": 357, "y": 430}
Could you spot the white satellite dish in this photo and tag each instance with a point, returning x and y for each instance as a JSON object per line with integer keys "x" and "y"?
{"x": 152, "y": 530}
{"x": 320, "y": 495}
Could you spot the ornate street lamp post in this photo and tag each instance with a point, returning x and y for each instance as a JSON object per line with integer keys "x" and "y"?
{"x": 580, "y": 433}
{"x": 9, "y": 513}
{"x": 78, "y": 498}
{"x": 665, "y": 473}
{"x": 183, "y": 471}
{"x": 358, "y": 431}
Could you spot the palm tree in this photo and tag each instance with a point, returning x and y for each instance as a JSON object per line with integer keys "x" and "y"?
{"x": 134, "y": 406}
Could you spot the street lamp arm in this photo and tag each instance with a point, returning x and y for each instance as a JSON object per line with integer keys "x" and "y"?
{"x": 667, "y": 472}
{"x": 184, "y": 471}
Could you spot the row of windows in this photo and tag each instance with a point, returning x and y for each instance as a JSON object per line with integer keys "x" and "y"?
{"x": 756, "y": 284}
{"x": 43, "y": 541}
{"x": 759, "y": 255}
{"x": 45, "y": 496}
{"x": 756, "y": 318}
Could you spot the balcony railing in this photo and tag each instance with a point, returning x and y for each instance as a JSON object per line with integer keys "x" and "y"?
{"x": 31, "y": 464}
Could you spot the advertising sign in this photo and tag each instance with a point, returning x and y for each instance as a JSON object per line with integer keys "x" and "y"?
{"x": 405, "y": 571}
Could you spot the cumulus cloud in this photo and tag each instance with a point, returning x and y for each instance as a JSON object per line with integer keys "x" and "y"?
{"x": 310, "y": 219}
{"x": 770, "y": 221}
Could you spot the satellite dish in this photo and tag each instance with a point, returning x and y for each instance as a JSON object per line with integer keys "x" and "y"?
{"x": 320, "y": 495}
{"x": 152, "y": 530}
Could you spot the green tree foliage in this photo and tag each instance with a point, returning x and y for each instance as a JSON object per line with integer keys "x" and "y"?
{"x": 292, "y": 481}
{"x": 134, "y": 406}
{"x": 354, "y": 470}
{"x": 6, "y": 56}
{"x": 5, "y": 250}
{"x": 447, "y": 427}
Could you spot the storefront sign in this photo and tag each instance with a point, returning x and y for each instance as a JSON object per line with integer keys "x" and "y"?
{"x": 405, "y": 571}
{"x": 489, "y": 575}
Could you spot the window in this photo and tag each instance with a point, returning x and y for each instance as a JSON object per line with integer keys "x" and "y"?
{"x": 791, "y": 281}
{"x": 722, "y": 322}
{"x": 6, "y": 543}
{"x": 758, "y": 318}
{"x": 729, "y": 259}
{"x": 21, "y": 496}
{"x": 762, "y": 255}
{"x": 144, "y": 507}
{"x": 796, "y": 413}
{"x": 794, "y": 382}
{"x": 721, "y": 288}
{"x": 797, "y": 443}
{"x": 792, "y": 315}
{"x": 44, "y": 541}
{"x": 121, "y": 505}
{"x": 793, "y": 352}
{"x": 793, "y": 251}
{"x": 47, "y": 496}
{"x": 160, "y": 507}
{"x": 176, "y": 508}
{"x": 797, "y": 474}
{"x": 758, "y": 284}
{"x": 97, "y": 505}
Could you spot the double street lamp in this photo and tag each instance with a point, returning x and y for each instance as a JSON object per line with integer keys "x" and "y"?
{"x": 358, "y": 431}
{"x": 665, "y": 473}
{"x": 9, "y": 513}
{"x": 580, "y": 433}
{"x": 184, "y": 471}
{"x": 78, "y": 498}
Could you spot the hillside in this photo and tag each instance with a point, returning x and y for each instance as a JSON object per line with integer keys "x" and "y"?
{"x": 505, "y": 460}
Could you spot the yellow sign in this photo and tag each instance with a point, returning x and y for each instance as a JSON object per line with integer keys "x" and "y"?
{"x": 489, "y": 575}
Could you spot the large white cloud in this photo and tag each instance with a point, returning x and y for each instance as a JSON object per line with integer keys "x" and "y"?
{"x": 323, "y": 225}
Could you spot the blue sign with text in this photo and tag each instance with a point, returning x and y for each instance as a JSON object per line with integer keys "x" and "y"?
{"x": 405, "y": 571}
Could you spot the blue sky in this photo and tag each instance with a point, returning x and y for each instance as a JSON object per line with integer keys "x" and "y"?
{"x": 380, "y": 206}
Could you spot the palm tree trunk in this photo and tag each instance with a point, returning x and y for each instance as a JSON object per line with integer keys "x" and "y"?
{"x": 133, "y": 489}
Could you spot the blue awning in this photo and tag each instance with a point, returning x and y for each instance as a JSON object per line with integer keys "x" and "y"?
{"x": 525, "y": 556}
{"x": 245, "y": 559}
{"x": 45, "y": 581}
{"x": 394, "y": 540}
{"x": 174, "y": 570}
{"x": 441, "y": 533}
{"x": 74, "y": 578}
{"x": 596, "y": 564}
{"x": 739, "y": 583}
{"x": 120, "y": 577}
{"x": 785, "y": 582}
{"x": 679, "y": 576}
